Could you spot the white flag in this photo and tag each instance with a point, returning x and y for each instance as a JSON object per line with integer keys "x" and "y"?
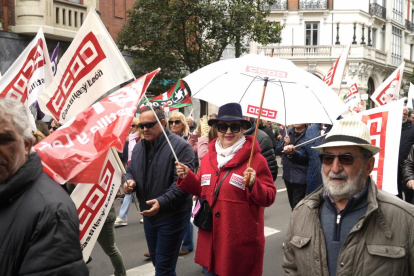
{"x": 93, "y": 202}
{"x": 384, "y": 124}
{"x": 389, "y": 90}
{"x": 29, "y": 75}
{"x": 334, "y": 76}
{"x": 91, "y": 66}
{"x": 353, "y": 99}
{"x": 410, "y": 97}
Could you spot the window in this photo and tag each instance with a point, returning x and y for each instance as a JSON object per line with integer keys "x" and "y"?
{"x": 411, "y": 52}
{"x": 397, "y": 11}
{"x": 63, "y": 16}
{"x": 396, "y": 44}
{"x": 311, "y": 33}
{"x": 57, "y": 15}
{"x": 81, "y": 18}
{"x": 76, "y": 19}
{"x": 374, "y": 38}
{"x": 70, "y": 18}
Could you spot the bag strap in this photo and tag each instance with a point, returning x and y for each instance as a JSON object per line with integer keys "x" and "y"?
{"x": 218, "y": 188}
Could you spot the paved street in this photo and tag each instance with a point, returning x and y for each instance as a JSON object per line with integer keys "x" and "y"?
{"x": 131, "y": 242}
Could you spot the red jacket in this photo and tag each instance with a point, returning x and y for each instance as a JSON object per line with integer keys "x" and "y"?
{"x": 235, "y": 244}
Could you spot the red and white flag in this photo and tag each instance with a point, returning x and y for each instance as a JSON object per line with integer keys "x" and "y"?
{"x": 91, "y": 66}
{"x": 334, "y": 76}
{"x": 94, "y": 200}
{"x": 353, "y": 99}
{"x": 389, "y": 90}
{"x": 29, "y": 75}
{"x": 384, "y": 123}
{"x": 69, "y": 154}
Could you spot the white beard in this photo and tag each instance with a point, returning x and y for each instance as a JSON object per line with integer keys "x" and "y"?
{"x": 345, "y": 190}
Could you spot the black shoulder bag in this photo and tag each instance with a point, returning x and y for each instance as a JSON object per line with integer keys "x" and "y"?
{"x": 203, "y": 219}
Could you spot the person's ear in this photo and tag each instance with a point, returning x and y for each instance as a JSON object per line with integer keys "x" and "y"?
{"x": 163, "y": 122}
{"x": 27, "y": 146}
{"x": 369, "y": 166}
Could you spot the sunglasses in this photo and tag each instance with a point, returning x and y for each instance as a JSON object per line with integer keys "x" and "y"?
{"x": 133, "y": 125}
{"x": 223, "y": 127}
{"x": 345, "y": 159}
{"x": 55, "y": 128}
{"x": 176, "y": 122}
{"x": 147, "y": 125}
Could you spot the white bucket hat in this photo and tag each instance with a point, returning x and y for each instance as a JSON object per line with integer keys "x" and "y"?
{"x": 348, "y": 133}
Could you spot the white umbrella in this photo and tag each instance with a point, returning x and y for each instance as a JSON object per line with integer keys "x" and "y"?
{"x": 293, "y": 96}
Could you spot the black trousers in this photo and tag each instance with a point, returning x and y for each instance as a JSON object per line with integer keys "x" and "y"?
{"x": 296, "y": 192}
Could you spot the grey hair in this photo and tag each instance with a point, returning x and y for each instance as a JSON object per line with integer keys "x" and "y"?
{"x": 16, "y": 110}
{"x": 158, "y": 111}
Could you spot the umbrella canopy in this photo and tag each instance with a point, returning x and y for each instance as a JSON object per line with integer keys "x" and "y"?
{"x": 293, "y": 96}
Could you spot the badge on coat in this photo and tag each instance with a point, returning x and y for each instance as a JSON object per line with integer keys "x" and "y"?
{"x": 205, "y": 179}
{"x": 237, "y": 180}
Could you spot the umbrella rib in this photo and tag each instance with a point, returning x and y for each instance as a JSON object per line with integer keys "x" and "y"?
{"x": 247, "y": 89}
{"x": 208, "y": 84}
{"x": 322, "y": 106}
{"x": 284, "y": 102}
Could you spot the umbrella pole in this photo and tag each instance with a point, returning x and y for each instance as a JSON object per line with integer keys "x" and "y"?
{"x": 249, "y": 164}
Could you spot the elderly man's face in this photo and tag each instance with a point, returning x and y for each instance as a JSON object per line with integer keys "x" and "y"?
{"x": 412, "y": 117}
{"x": 345, "y": 181}
{"x": 13, "y": 149}
{"x": 405, "y": 115}
{"x": 150, "y": 134}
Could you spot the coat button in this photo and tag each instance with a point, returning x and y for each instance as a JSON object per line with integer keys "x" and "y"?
{"x": 317, "y": 259}
{"x": 358, "y": 226}
{"x": 217, "y": 214}
{"x": 342, "y": 264}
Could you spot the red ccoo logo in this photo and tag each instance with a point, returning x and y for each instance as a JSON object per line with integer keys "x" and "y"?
{"x": 267, "y": 72}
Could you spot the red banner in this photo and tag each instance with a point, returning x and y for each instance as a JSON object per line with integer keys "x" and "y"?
{"x": 87, "y": 137}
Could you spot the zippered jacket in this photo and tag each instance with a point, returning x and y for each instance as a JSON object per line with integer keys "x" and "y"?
{"x": 380, "y": 243}
{"x": 155, "y": 175}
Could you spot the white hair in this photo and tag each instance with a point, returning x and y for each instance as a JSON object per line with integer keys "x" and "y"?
{"x": 16, "y": 110}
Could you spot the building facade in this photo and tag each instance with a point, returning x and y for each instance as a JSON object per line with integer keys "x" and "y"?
{"x": 317, "y": 31}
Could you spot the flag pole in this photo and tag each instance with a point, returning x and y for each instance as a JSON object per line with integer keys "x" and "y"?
{"x": 249, "y": 164}
{"x": 162, "y": 128}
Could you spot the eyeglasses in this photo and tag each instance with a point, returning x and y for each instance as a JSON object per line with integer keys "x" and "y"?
{"x": 177, "y": 122}
{"x": 133, "y": 125}
{"x": 345, "y": 159}
{"x": 147, "y": 125}
{"x": 234, "y": 128}
{"x": 55, "y": 128}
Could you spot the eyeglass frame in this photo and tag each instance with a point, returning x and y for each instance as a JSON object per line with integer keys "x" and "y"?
{"x": 147, "y": 125}
{"x": 174, "y": 122}
{"x": 322, "y": 155}
{"x": 229, "y": 126}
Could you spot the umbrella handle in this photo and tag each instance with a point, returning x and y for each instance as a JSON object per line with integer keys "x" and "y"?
{"x": 249, "y": 164}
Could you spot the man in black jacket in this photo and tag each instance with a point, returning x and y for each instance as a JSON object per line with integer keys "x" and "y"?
{"x": 266, "y": 146}
{"x": 165, "y": 207}
{"x": 39, "y": 225}
{"x": 406, "y": 141}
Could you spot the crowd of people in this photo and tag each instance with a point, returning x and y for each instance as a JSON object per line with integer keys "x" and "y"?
{"x": 341, "y": 223}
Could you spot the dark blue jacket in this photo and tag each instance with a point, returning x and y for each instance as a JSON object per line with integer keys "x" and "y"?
{"x": 155, "y": 175}
{"x": 305, "y": 155}
{"x": 294, "y": 173}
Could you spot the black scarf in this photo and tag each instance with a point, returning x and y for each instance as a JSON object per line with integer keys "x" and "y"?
{"x": 21, "y": 180}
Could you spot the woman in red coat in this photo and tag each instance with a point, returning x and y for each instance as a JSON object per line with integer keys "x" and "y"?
{"x": 235, "y": 243}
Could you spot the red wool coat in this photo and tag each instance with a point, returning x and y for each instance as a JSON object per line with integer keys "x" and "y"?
{"x": 235, "y": 244}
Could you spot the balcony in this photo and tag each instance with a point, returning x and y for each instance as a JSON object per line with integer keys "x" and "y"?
{"x": 409, "y": 25}
{"x": 307, "y": 53}
{"x": 313, "y": 4}
{"x": 280, "y": 5}
{"x": 377, "y": 10}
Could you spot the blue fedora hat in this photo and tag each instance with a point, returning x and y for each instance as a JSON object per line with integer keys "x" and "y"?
{"x": 230, "y": 112}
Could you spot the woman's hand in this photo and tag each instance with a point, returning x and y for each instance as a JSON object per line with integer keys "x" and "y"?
{"x": 182, "y": 170}
{"x": 252, "y": 178}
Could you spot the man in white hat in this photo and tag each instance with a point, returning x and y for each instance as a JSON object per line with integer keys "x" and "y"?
{"x": 348, "y": 226}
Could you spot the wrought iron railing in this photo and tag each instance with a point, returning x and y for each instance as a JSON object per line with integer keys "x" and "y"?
{"x": 280, "y": 5}
{"x": 409, "y": 25}
{"x": 313, "y": 4}
{"x": 377, "y": 10}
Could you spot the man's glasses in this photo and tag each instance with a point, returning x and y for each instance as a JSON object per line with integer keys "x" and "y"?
{"x": 176, "y": 122}
{"x": 147, "y": 125}
{"x": 345, "y": 159}
{"x": 234, "y": 128}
